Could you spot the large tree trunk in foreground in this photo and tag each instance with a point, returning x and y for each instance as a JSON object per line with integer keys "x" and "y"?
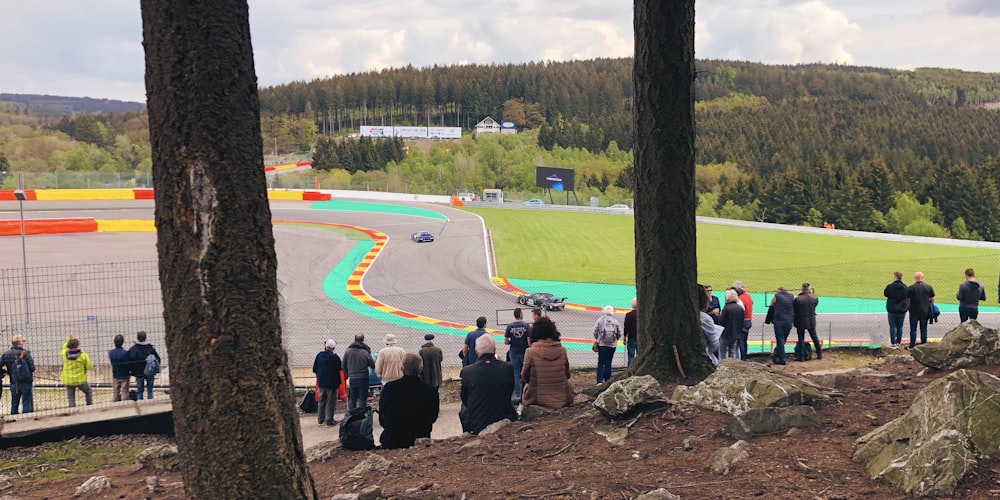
{"x": 234, "y": 410}
{"x": 666, "y": 262}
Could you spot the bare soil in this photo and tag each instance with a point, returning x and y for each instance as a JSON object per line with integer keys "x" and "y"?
{"x": 560, "y": 456}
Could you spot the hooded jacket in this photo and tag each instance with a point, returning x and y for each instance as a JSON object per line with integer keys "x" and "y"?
{"x": 137, "y": 358}
{"x": 357, "y": 360}
{"x": 327, "y": 369}
{"x": 76, "y": 363}
{"x": 546, "y": 375}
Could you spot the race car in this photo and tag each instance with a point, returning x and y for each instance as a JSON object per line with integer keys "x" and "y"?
{"x": 543, "y": 300}
{"x": 422, "y": 236}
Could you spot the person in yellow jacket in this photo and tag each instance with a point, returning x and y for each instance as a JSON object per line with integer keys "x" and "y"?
{"x": 76, "y": 363}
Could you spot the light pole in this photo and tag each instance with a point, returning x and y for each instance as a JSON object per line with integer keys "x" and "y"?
{"x": 19, "y": 194}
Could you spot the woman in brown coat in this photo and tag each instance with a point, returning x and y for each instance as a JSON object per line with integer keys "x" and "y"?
{"x": 546, "y": 368}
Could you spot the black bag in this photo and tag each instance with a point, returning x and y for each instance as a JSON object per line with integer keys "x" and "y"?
{"x": 19, "y": 371}
{"x": 356, "y": 430}
{"x": 804, "y": 351}
{"x": 308, "y": 403}
{"x": 133, "y": 395}
{"x": 770, "y": 315}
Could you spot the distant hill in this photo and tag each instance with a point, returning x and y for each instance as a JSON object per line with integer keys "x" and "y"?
{"x": 60, "y": 104}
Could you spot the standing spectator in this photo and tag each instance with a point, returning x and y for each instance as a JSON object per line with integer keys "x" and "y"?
{"x": 607, "y": 332}
{"x": 919, "y": 298}
{"x": 407, "y": 407}
{"x": 120, "y": 376}
{"x": 709, "y": 329}
{"x": 138, "y": 356}
{"x": 357, "y": 360}
{"x": 747, "y": 302}
{"x": 21, "y": 383}
{"x": 431, "y": 358}
{"x": 714, "y": 308}
{"x": 516, "y": 336}
{"x": 805, "y": 320}
{"x": 969, "y": 294}
{"x": 630, "y": 333}
{"x": 546, "y": 368}
{"x": 327, "y": 368}
{"x": 76, "y": 364}
{"x": 469, "y": 348}
{"x": 486, "y": 388}
{"x": 895, "y": 307}
{"x": 732, "y": 323}
{"x": 389, "y": 362}
{"x": 784, "y": 315}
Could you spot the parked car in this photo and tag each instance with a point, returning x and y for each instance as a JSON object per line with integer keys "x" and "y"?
{"x": 422, "y": 236}
{"x": 619, "y": 206}
{"x": 543, "y": 300}
{"x": 534, "y": 201}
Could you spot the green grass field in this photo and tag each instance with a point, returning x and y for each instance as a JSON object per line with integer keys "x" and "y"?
{"x": 599, "y": 248}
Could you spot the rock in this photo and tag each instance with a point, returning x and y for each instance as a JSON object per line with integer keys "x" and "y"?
{"x": 950, "y": 424}
{"x": 689, "y": 442}
{"x": 152, "y": 483}
{"x": 93, "y": 485}
{"x": 615, "y": 435}
{"x": 322, "y": 451}
{"x": 723, "y": 459}
{"x": 475, "y": 443}
{"x": 626, "y": 396}
{"x": 965, "y": 346}
{"x": 534, "y": 411}
{"x": 793, "y": 432}
{"x": 370, "y": 493}
{"x": 160, "y": 457}
{"x": 495, "y": 426}
{"x": 658, "y": 494}
{"x": 738, "y": 386}
{"x": 345, "y": 496}
{"x": 372, "y": 462}
{"x": 771, "y": 419}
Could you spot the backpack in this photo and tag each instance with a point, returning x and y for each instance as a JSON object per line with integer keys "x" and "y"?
{"x": 805, "y": 352}
{"x": 356, "y": 429}
{"x": 19, "y": 371}
{"x": 308, "y": 403}
{"x": 152, "y": 366}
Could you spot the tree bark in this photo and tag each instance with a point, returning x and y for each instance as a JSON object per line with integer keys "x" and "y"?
{"x": 234, "y": 411}
{"x": 666, "y": 261}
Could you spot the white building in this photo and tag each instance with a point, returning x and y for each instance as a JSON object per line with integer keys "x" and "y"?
{"x": 487, "y": 126}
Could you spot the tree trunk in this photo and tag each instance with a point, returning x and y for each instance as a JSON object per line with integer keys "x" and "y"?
{"x": 234, "y": 409}
{"x": 666, "y": 262}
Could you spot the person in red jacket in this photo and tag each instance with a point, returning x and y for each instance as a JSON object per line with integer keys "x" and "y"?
{"x": 747, "y": 301}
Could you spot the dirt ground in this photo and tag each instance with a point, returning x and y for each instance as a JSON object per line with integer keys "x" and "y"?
{"x": 560, "y": 456}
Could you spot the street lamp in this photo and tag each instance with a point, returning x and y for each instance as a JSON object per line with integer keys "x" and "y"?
{"x": 19, "y": 194}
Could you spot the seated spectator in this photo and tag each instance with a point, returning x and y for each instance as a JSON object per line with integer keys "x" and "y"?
{"x": 486, "y": 388}
{"x": 709, "y": 329}
{"x": 546, "y": 368}
{"x": 407, "y": 408}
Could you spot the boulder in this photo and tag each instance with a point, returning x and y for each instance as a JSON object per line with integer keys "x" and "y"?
{"x": 738, "y": 386}
{"x": 160, "y": 457}
{"x": 626, "y": 396}
{"x": 758, "y": 421}
{"x": 95, "y": 484}
{"x": 534, "y": 412}
{"x": 322, "y": 451}
{"x": 965, "y": 346}
{"x": 951, "y": 424}
{"x": 371, "y": 463}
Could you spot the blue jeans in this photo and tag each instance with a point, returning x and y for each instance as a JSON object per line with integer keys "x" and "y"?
{"x": 781, "y": 331}
{"x": 967, "y": 313}
{"x": 896, "y": 327}
{"x": 357, "y": 393}
{"x": 22, "y": 393}
{"x": 801, "y": 344}
{"x": 744, "y": 336}
{"x": 913, "y": 330}
{"x": 146, "y": 382}
{"x": 604, "y": 357}
{"x": 630, "y": 347}
{"x": 517, "y": 359}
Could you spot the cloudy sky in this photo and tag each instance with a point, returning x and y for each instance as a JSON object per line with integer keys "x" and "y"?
{"x": 93, "y": 48}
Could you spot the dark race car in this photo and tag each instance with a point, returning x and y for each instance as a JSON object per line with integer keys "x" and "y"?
{"x": 422, "y": 236}
{"x": 543, "y": 300}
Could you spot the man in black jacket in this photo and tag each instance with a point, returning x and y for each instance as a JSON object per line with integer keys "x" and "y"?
{"x": 326, "y": 366}
{"x": 895, "y": 307}
{"x": 486, "y": 388}
{"x": 357, "y": 360}
{"x": 407, "y": 407}
{"x": 137, "y": 355}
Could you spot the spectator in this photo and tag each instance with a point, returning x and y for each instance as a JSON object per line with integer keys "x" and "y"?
{"x": 327, "y": 368}
{"x": 607, "y": 332}
{"x": 389, "y": 362}
{"x": 732, "y": 323}
{"x": 516, "y": 336}
{"x": 469, "y": 348}
{"x": 629, "y": 332}
{"x": 486, "y": 388}
{"x": 120, "y": 376}
{"x": 747, "y": 301}
{"x": 919, "y": 299}
{"x": 21, "y": 391}
{"x": 431, "y": 358}
{"x": 805, "y": 320}
{"x": 357, "y": 360}
{"x": 784, "y": 315}
{"x": 709, "y": 329}
{"x": 76, "y": 364}
{"x": 895, "y": 307}
{"x": 407, "y": 407}
{"x": 714, "y": 309}
{"x": 969, "y": 294}
{"x": 546, "y": 368}
{"x": 137, "y": 357}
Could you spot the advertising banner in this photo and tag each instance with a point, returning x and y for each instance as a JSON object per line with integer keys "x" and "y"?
{"x": 556, "y": 179}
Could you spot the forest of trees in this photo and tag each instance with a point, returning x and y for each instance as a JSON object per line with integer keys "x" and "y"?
{"x": 856, "y": 147}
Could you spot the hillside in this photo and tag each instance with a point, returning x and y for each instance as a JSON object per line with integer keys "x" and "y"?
{"x": 60, "y": 105}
